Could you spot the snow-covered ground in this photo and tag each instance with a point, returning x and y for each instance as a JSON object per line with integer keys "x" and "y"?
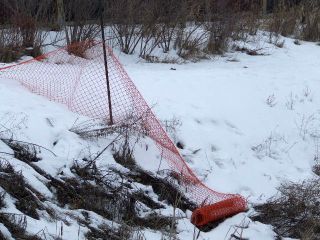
{"x": 254, "y": 119}
{"x": 248, "y": 123}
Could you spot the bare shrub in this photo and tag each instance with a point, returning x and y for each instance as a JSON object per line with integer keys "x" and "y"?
{"x": 79, "y": 48}
{"x": 295, "y": 211}
{"x": 28, "y": 19}
{"x": 27, "y": 27}
{"x": 173, "y": 21}
{"x": 149, "y": 41}
{"x": 310, "y": 28}
{"x": 219, "y": 33}
{"x": 81, "y": 27}
{"x": 247, "y": 20}
{"x": 229, "y": 23}
{"x": 284, "y": 19}
{"x": 300, "y": 20}
{"x": 10, "y": 45}
{"x": 190, "y": 42}
{"x": 126, "y": 23}
{"x": 151, "y": 33}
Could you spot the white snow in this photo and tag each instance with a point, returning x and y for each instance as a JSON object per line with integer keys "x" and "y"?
{"x": 247, "y": 126}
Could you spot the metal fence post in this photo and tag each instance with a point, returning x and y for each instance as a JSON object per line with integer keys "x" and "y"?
{"x": 106, "y": 62}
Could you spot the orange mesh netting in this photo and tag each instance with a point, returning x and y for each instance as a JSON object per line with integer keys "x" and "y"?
{"x": 80, "y": 83}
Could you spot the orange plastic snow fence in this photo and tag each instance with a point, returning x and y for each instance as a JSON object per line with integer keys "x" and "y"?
{"x": 79, "y": 82}
{"x": 218, "y": 211}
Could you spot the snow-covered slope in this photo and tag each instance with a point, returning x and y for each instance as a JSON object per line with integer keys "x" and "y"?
{"x": 247, "y": 124}
{"x": 255, "y": 121}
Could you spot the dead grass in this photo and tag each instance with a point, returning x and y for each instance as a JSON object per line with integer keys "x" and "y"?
{"x": 26, "y": 152}
{"x": 295, "y": 212}
{"x": 2, "y": 197}
{"x": 251, "y": 52}
{"x": 9, "y": 54}
{"x": 316, "y": 169}
{"x": 114, "y": 202}
{"x": 165, "y": 189}
{"x": 80, "y": 48}
{"x": 16, "y": 224}
{"x": 300, "y": 20}
{"x": 14, "y": 184}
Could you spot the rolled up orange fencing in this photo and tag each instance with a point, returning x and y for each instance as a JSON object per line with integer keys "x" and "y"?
{"x": 79, "y": 82}
{"x": 218, "y": 211}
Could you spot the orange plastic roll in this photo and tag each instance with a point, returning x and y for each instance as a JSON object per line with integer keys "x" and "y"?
{"x": 218, "y": 211}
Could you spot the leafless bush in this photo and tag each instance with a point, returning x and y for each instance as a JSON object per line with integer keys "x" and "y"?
{"x": 246, "y": 21}
{"x": 81, "y": 27}
{"x": 310, "y": 29}
{"x": 190, "y": 41}
{"x": 127, "y": 23}
{"x": 174, "y": 14}
{"x": 10, "y": 45}
{"x": 284, "y": 20}
{"x": 229, "y": 23}
{"x": 27, "y": 19}
{"x": 300, "y": 20}
{"x": 219, "y": 35}
{"x": 151, "y": 31}
{"x": 149, "y": 41}
{"x": 295, "y": 211}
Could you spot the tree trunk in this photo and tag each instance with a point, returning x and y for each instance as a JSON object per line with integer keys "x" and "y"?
{"x": 60, "y": 14}
{"x": 265, "y": 6}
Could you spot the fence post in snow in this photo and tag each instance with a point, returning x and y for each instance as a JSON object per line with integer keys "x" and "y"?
{"x": 106, "y": 63}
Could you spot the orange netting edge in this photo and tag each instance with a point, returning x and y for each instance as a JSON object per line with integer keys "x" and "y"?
{"x": 80, "y": 83}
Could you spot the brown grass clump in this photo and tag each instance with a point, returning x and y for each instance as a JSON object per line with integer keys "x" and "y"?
{"x": 295, "y": 212}
{"x": 79, "y": 49}
{"x": 14, "y": 184}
